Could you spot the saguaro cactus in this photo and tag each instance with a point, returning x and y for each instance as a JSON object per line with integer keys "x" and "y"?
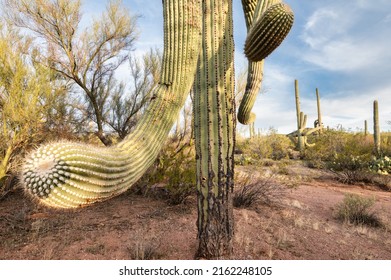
{"x": 365, "y": 128}
{"x": 214, "y": 123}
{"x": 376, "y": 127}
{"x": 299, "y": 137}
{"x": 318, "y": 122}
{"x": 67, "y": 175}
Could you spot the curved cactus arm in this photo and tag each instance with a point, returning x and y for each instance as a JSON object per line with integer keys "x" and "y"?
{"x": 69, "y": 175}
{"x": 268, "y": 32}
{"x": 214, "y": 129}
{"x": 253, "y": 10}
{"x": 253, "y": 85}
{"x": 311, "y": 130}
{"x": 306, "y": 142}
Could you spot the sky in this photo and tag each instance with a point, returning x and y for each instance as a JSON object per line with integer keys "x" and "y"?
{"x": 343, "y": 48}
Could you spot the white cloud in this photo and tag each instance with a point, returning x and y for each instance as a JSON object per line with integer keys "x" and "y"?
{"x": 323, "y": 25}
{"x": 351, "y": 109}
{"x": 338, "y": 38}
{"x": 347, "y": 55}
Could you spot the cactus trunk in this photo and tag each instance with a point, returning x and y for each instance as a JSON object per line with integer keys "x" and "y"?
{"x": 376, "y": 127}
{"x": 68, "y": 175}
{"x": 365, "y": 128}
{"x": 319, "y": 120}
{"x": 300, "y": 144}
{"x": 214, "y": 118}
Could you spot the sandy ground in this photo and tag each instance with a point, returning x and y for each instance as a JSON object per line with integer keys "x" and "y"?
{"x": 133, "y": 226}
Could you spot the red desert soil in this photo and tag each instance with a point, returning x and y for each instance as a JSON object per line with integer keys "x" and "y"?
{"x": 134, "y": 226}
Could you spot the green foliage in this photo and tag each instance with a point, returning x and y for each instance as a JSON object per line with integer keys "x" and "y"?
{"x": 27, "y": 94}
{"x": 271, "y": 146}
{"x": 381, "y": 165}
{"x": 356, "y": 209}
{"x": 334, "y": 144}
{"x": 347, "y": 154}
{"x": 175, "y": 169}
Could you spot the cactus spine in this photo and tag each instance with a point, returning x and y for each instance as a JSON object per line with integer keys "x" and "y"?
{"x": 68, "y": 175}
{"x": 376, "y": 127}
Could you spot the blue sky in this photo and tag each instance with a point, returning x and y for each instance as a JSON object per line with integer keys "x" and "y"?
{"x": 343, "y": 48}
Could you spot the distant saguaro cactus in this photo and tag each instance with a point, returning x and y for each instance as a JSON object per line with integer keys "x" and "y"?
{"x": 299, "y": 136}
{"x": 365, "y": 128}
{"x": 318, "y": 122}
{"x": 376, "y": 127}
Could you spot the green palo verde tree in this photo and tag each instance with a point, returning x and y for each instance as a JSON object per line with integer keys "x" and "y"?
{"x": 27, "y": 92}
{"x": 199, "y": 48}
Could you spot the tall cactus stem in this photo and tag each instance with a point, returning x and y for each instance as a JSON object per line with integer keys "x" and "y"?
{"x": 365, "y": 128}
{"x": 252, "y": 9}
{"x": 376, "y": 127}
{"x": 297, "y": 102}
{"x": 300, "y": 145}
{"x": 319, "y": 120}
{"x": 69, "y": 175}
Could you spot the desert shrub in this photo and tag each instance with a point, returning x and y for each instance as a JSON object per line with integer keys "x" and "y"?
{"x": 336, "y": 142}
{"x": 250, "y": 191}
{"x": 356, "y": 209}
{"x": 351, "y": 169}
{"x": 270, "y": 146}
{"x": 244, "y": 160}
{"x": 145, "y": 248}
{"x": 346, "y": 154}
{"x": 385, "y": 143}
{"x": 175, "y": 169}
